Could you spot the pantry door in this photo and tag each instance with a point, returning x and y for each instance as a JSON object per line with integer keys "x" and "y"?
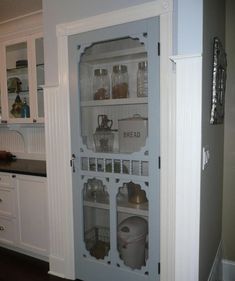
{"x": 114, "y": 76}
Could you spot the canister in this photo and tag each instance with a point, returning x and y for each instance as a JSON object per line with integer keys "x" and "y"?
{"x": 120, "y": 82}
{"x": 132, "y": 234}
{"x": 101, "y": 84}
{"x": 133, "y": 132}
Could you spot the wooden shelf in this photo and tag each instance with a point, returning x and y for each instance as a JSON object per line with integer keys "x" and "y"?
{"x": 96, "y": 205}
{"x": 123, "y": 207}
{"x": 127, "y": 101}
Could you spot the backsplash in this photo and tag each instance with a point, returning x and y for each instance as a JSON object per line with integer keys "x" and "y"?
{"x": 24, "y": 142}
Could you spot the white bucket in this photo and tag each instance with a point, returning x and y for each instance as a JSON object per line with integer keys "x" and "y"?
{"x": 131, "y": 241}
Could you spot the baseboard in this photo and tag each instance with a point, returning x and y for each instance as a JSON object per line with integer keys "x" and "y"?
{"x": 56, "y": 266}
{"x": 216, "y": 270}
{"x": 228, "y": 270}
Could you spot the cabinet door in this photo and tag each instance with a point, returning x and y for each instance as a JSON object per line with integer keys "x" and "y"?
{"x": 22, "y": 78}
{"x": 115, "y": 138}
{"x": 8, "y": 230}
{"x": 7, "y": 202}
{"x": 33, "y": 214}
{"x": 18, "y": 81}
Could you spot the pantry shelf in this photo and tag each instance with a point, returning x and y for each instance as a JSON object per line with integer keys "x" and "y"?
{"x": 125, "y": 101}
{"x": 123, "y": 207}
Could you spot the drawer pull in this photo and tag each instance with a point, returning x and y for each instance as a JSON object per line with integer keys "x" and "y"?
{"x": 1, "y": 200}
{"x": 2, "y": 228}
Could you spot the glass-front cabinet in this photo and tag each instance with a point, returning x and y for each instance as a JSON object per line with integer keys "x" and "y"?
{"x": 114, "y": 85}
{"x": 22, "y": 77}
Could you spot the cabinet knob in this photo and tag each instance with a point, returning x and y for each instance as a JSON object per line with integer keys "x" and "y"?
{"x": 34, "y": 121}
{"x": 4, "y": 121}
{"x": 0, "y": 200}
{"x": 2, "y": 228}
{"x": 13, "y": 176}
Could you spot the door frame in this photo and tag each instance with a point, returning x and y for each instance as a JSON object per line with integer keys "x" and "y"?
{"x": 62, "y": 254}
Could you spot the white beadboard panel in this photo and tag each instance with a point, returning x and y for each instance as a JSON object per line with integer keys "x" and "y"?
{"x": 57, "y": 172}
{"x": 188, "y": 166}
{"x": 11, "y": 141}
{"x": 24, "y": 142}
{"x": 36, "y": 140}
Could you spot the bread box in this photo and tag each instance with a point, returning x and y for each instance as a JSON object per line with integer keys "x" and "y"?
{"x": 133, "y": 132}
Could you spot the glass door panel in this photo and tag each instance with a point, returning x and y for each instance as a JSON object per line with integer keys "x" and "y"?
{"x": 40, "y": 75}
{"x": 17, "y": 80}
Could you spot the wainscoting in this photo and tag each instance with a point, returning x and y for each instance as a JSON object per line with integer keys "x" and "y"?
{"x": 24, "y": 141}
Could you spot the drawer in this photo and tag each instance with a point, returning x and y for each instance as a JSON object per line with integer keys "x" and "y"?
{"x": 7, "y": 230}
{"x": 5, "y": 180}
{"x": 7, "y": 202}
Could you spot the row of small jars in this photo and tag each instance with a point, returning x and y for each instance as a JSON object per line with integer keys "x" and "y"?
{"x": 120, "y": 78}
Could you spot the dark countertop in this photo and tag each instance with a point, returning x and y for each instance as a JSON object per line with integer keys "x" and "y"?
{"x": 24, "y": 166}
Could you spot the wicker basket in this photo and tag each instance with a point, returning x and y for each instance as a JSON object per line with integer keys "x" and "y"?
{"x": 97, "y": 241}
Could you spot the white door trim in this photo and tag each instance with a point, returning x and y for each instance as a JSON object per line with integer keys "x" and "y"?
{"x": 63, "y": 245}
{"x": 133, "y": 13}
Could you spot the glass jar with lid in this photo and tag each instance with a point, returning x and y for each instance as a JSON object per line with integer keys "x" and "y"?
{"x": 142, "y": 79}
{"x": 120, "y": 82}
{"x": 101, "y": 88}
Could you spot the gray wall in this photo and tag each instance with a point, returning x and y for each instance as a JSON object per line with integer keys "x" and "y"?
{"x": 212, "y": 136}
{"x": 188, "y": 27}
{"x": 229, "y": 139}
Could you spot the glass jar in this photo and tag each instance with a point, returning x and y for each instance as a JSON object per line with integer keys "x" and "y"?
{"x": 103, "y": 136}
{"x": 142, "y": 79}
{"x": 101, "y": 83}
{"x": 119, "y": 82}
{"x": 25, "y": 111}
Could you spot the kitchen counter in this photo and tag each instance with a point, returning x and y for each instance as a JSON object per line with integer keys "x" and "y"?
{"x": 24, "y": 166}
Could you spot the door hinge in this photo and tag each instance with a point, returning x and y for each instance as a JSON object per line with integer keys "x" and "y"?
{"x": 158, "y": 48}
{"x": 159, "y": 268}
{"x": 159, "y": 162}
{"x": 72, "y": 162}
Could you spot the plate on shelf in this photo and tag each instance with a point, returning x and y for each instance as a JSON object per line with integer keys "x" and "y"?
{"x": 14, "y": 85}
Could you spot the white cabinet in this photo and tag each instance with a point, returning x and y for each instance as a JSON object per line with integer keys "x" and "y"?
{"x": 32, "y": 214}
{"x": 22, "y": 77}
{"x": 24, "y": 213}
{"x": 8, "y": 221}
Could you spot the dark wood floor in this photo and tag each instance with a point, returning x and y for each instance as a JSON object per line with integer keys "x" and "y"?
{"x": 17, "y": 267}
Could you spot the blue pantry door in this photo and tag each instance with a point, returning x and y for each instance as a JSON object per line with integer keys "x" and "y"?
{"x": 114, "y": 76}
